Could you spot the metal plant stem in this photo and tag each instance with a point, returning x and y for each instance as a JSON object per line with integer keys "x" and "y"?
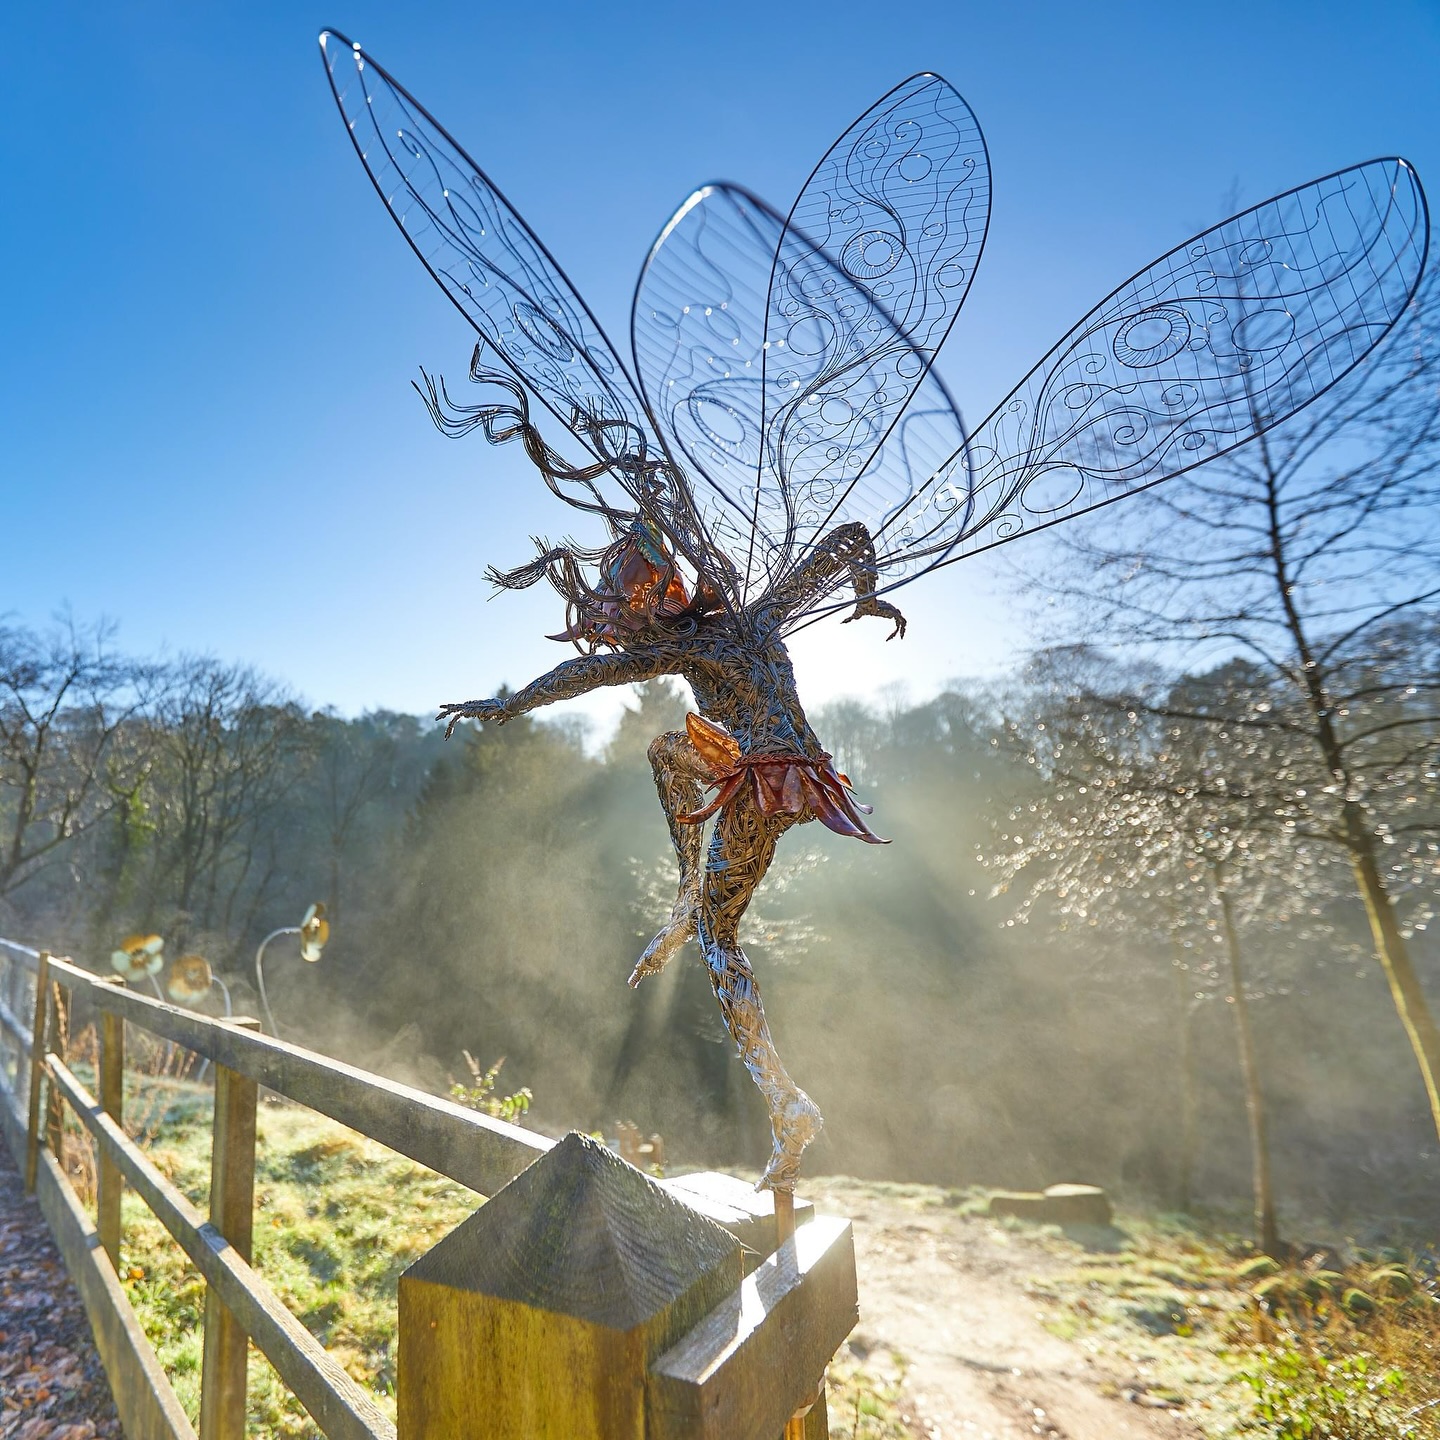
{"x": 260, "y": 977}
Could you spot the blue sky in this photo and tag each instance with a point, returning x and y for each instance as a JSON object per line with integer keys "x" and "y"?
{"x": 207, "y": 431}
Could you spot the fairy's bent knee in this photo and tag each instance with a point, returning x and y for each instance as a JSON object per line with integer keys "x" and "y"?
{"x": 663, "y": 749}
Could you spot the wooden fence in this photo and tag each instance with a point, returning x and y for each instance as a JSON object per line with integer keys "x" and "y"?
{"x": 583, "y": 1299}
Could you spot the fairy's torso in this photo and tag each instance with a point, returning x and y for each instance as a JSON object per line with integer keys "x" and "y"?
{"x": 747, "y": 684}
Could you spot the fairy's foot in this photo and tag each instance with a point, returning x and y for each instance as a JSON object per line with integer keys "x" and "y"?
{"x": 668, "y": 943}
{"x": 796, "y": 1124}
{"x": 882, "y": 610}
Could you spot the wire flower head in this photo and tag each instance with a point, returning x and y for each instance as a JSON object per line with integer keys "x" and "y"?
{"x": 138, "y": 956}
{"x": 190, "y": 979}
{"x": 314, "y": 933}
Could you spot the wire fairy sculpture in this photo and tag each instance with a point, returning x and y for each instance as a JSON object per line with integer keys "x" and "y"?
{"x": 789, "y": 451}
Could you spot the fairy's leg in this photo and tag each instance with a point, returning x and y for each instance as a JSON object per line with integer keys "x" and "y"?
{"x": 679, "y": 774}
{"x": 740, "y": 854}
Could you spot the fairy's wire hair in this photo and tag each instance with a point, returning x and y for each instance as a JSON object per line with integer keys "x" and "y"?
{"x": 564, "y": 564}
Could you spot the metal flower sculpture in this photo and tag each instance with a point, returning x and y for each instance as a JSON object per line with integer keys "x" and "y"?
{"x": 138, "y": 957}
{"x": 788, "y": 451}
{"x": 313, "y": 932}
{"x": 191, "y": 980}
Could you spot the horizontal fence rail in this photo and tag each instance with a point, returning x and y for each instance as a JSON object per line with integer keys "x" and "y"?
{"x": 478, "y": 1152}
{"x": 338, "y": 1405}
{"x": 481, "y": 1153}
{"x": 147, "y": 1404}
{"x": 22, "y": 964}
{"x": 11, "y": 1022}
{"x": 16, "y": 995}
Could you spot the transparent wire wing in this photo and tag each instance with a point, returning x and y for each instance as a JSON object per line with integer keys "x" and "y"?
{"x": 899, "y": 207}
{"x": 698, "y": 329}
{"x": 484, "y": 256}
{"x": 1217, "y": 341}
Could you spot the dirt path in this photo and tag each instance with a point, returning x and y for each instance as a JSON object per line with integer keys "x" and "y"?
{"x": 949, "y": 1295}
{"x": 52, "y": 1386}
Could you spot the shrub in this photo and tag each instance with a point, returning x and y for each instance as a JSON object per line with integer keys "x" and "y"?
{"x": 1393, "y": 1281}
{"x": 1304, "y": 1394}
{"x": 481, "y": 1095}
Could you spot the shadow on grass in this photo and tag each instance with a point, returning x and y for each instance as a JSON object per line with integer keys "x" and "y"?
{"x": 1098, "y": 1239}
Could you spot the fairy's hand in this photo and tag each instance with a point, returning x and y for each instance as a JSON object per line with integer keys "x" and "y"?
{"x": 886, "y": 611}
{"x": 481, "y": 710}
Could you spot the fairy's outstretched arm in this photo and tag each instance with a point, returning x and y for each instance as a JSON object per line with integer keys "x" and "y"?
{"x": 575, "y": 677}
{"x": 846, "y": 552}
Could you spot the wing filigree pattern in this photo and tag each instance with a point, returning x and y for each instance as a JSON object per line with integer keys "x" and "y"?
{"x": 484, "y": 256}
{"x": 1224, "y": 337}
{"x": 698, "y": 332}
{"x": 778, "y": 356}
{"x": 699, "y": 328}
{"x": 900, "y": 206}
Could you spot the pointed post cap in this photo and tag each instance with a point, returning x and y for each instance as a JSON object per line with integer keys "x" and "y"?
{"x": 582, "y": 1233}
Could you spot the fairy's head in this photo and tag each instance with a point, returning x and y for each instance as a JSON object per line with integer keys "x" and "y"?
{"x": 639, "y": 586}
{"x": 640, "y": 573}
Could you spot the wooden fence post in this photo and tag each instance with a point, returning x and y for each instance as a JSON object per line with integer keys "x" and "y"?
{"x": 813, "y": 1422}
{"x": 817, "y": 1419}
{"x": 18, "y": 1008}
{"x": 56, "y": 1044}
{"x": 12, "y": 1003}
{"x": 7, "y": 993}
{"x": 538, "y": 1317}
{"x": 232, "y": 1212}
{"x": 111, "y": 1082}
{"x": 37, "y": 1070}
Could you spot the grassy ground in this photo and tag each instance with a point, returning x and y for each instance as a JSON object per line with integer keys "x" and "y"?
{"x": 1341, "y": 1344}
{"x": 337, "y": 1219}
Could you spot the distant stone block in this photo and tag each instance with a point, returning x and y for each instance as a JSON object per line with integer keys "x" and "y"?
{"x": 1056, "y": 1205}
{"x": 1078, "y": 1205}
{"x": 1018, "y": 1205}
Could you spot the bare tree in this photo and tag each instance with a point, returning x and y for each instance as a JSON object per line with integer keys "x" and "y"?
{"x": 65, "y": 697}
{"x": 1159, "y": 829}
{"x": 1313, "y": 555}
{"x": 229, "y": 747}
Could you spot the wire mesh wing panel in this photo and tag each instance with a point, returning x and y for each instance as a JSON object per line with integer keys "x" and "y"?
{"x": 698, "y": 332}
{"x": 1224, "y": 337}
{"x": 484, "y": 256}
{"x": 877, "y": 256}
{"x": 699, "y": 326}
